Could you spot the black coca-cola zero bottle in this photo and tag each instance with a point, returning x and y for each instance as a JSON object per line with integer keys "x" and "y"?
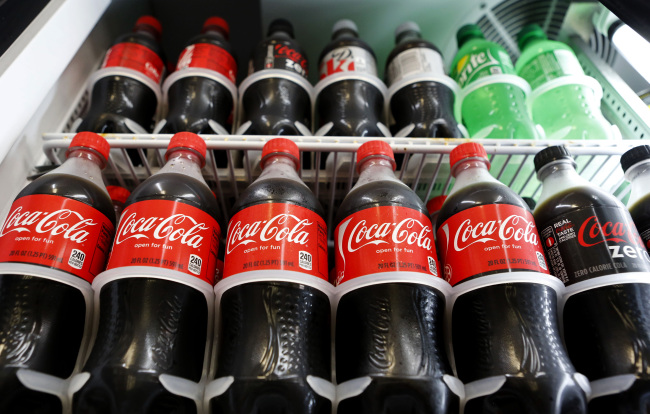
{"x": 276, "y": 96}
{"x": 156, "y": 298}
{"x": 505, "y": 332}
{"x": 595, "y": 249}
{"x": 126, "y": 89}
{"x": 274, "y": 346}
{"x": 349, "y": 96}
{"x": 390, "y": 347}
{"x": 54, "y": 241}
{"x": 201, "y": 93}
{"x": 421, "y": 96}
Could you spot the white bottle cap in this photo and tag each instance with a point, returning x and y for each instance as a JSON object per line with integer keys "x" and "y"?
{"x": 344, "y": 24}
{"x": 405, "y": 27}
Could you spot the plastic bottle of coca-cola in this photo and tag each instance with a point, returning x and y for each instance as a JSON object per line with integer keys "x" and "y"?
{"x": 390, "y": 348}
{"x": 276, "y": 95}
{"x": 506, "y": 340}
{"x": 595, "y": 249}
{"x": 118, "y": 195}
{"x": 273, "y": 351}
{"x": 636, "y": 166}
{"x": 155, "y": 310}
{"x": 125, "y": 91}
{"x": 54, "y": 241}
{"x": 201, "y": 93}
{"x": 433, "y": 207}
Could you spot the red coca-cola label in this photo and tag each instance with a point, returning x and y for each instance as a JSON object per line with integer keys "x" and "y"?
{"x": 208, "y": 56}
{"x": 56, "y": 232}
{"x": 488, "y": 239}
{"x": 591, "y": 242}
{"x": 167, "y": 234}
{"x": 136, "y": 57}
{"x": 384, "y": 239}
{"x": 276, "y": 236}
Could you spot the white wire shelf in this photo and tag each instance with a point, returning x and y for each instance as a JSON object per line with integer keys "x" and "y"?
{"x": 423, "y": 164}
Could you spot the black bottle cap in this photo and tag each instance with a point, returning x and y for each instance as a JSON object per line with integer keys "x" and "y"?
{"x": 551, "y": 154}
{"x": 280, "y": 25}
{"x": 634, "y": 155}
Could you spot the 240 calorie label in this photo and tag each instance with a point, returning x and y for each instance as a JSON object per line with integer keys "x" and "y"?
{"x": 384, "y": 239}
{"x": 136, "y": 57}
{"x": 56, "y": 232}
{"x": 167, "y": 234}
{"x": 276, "y": 236}
{"x": 487, "y": 239}
{"x": 592, "y": 242}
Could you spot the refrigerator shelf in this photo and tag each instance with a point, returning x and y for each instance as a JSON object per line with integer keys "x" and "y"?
{"x": 423, "y": 164}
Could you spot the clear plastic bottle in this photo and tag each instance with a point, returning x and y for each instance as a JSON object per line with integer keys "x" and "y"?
{"x": 595, "y": 249}
{"x": 273, "y": 352}
{"x": 156, "y": 301}
{"x": 504, "y": 322}
{"x": 54, "y": 241}
{"x": 390, "y": 348}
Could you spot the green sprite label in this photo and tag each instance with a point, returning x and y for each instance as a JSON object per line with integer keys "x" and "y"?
{"x": 481, "y": 63}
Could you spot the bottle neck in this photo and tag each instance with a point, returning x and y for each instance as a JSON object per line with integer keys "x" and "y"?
{"x": 281, "y": 35}
{"x": 216, "y": 32}
{"x": 470, "y": 171}
{"x": 184, "y": 162}
{"x": 84, "y": 164}
{"x": 408, "y": 36}
{"x": 639, "y": 177}
{"x": 376, "y": 169}
{"x": 558, "y": 176}
{"x": 147, "y": 30}
{"x": 469, "y": 38}
{"x": 279, "y": 166}
{"x": 345, "y": 34}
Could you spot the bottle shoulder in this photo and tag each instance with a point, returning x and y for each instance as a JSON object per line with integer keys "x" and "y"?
{"x": 212, "y": 40}
{"x": 347, "y": 42}
{"x": 73, "y": 187}
{"x": 141, "y": 39}
{"x": 574, "y": 199}
{"x": 278, "y": 190}
{"x": 379, "y": 194}
{"x": 411, "y": 44}
{"x": 537, "y": 48}
{"x": 176, "y": 187}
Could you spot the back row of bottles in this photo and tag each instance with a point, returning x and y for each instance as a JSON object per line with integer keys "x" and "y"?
{"x": 545, "y": 95}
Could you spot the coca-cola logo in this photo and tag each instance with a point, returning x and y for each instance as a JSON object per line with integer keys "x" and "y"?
{"x": 178, "y": 227}
{"x": 282, "y": 227}
{"x": 410, "y": 231}
{"x": 66, "y": 223}
{"x": 593, "y": 232}
{"x": 514, "y": 227}
{"x": 289, "y": 53}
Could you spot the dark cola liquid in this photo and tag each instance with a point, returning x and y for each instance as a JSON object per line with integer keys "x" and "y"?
{"x": 353, "y": 106}
{"x": 116, "y": 99}
{"x": 273, "y": 334}
{"x": 274, "y": 105}
{"x": 429, "y": 106}
{"x": 195, "y": 100}
{"x": 148, "y": 327}
{"x": 511, "y": 330}
{"x": 606, "y": 329}
{"x": 42, "y": 321}
{"x": 397, "y": 322}
{"x": 640, "y": 213}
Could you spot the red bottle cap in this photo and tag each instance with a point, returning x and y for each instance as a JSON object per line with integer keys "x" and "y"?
{"x": 281, "y": 146}
{"x": 86, "y": 139}
{"x": 216, "y": 22}
{"x": 117, "y": 193}
{"x": 435, "y": 204}
{"x": 187, "y": 141}
{"x": 375, "y": 148}
{"x": 150, "y": 21}
{"x": 467, "y": 150}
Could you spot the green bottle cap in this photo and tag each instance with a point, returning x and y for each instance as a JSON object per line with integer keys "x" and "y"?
{"x": 467, "y": 32}
{"x": 528, "y": 33}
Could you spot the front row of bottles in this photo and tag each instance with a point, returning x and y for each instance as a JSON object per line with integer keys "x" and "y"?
{"x": 478, "y": 329}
